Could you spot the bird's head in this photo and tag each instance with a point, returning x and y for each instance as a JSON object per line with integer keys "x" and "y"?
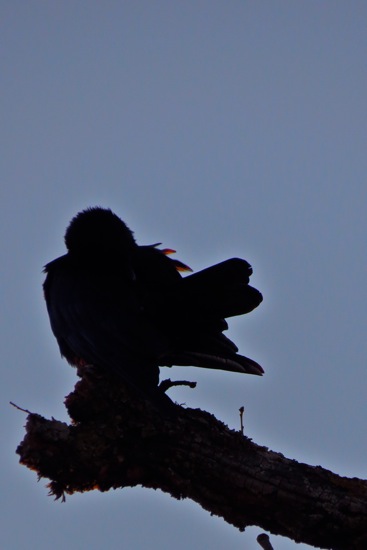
{"x": 98, "y": 230}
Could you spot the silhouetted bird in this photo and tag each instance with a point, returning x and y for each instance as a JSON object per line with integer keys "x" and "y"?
{"x": 126, "y": 307}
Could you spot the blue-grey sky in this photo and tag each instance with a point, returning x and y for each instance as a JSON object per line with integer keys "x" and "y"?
{"x": 221, "y": 129}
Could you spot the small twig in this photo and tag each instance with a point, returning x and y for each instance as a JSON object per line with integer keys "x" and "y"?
{"x": 242, "y": 410}
{"x": 20, "y": 408}
{"x": 264, "y": 541}
{"x": 168, "y": 383}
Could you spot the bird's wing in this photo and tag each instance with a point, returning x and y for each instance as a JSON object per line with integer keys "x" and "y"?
{"x": 102, "y": 322}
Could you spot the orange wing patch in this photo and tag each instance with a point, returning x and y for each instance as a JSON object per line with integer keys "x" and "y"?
{"x": 180, "y": 266}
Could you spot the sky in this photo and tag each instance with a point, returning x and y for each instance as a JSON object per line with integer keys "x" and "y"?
{"x": 222, "y": 129}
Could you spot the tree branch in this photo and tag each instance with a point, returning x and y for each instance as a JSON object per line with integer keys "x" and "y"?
{"x": 117, "y": 439}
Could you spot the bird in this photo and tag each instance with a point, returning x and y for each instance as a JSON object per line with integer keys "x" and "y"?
{"x": 128, "y": 309}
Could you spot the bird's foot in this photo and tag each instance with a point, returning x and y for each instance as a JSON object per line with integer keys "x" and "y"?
{"x": 168, "y": 383}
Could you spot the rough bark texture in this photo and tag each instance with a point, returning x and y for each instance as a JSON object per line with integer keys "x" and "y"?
{"x": 117, "y": 439}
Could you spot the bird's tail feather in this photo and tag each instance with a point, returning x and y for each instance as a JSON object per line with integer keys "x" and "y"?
{"x": 222, "y": 289}
{"x": 206, "y": 299}
{"x": 230, "y": 362}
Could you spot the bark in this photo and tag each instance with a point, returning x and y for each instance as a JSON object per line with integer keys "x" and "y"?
{"x": 117, "y": 439}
